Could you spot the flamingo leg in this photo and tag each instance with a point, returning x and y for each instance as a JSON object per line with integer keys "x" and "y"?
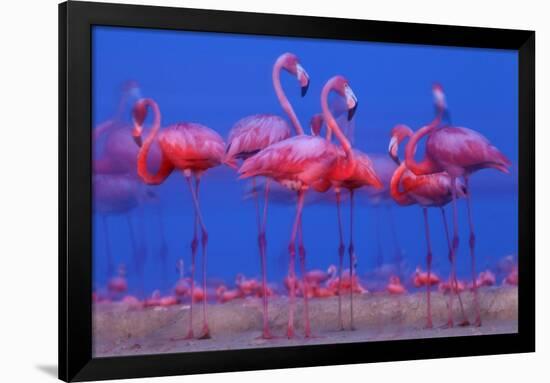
{"x": 454, "y": 247}
{"x": 452, "y": 279}
{"x": 429, "y": 267}
{"x": 352, "y": 258}
{"x": 472, "y": 243}
{"x": 163, "y": 253}
{"x": 262, "y": 243}
{"x": 398, "y": 253}
{"x": 379, "y": 253}
{"x": 194, "y": 247}
{"x": 137, "y": 263}
{"x": 341, "y": 250}
{"x": 110, "y": 264}
{"x": 291, "y": 267}
{"x": 204, "y": 243}
{"x": 302, "y": 253}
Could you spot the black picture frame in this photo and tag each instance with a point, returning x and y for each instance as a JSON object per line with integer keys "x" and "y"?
{"x": 75, "y": 213}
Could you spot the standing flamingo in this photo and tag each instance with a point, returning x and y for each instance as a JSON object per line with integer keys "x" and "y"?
{"x": 118, "y": 156}
{"x": 433, "y": 190}
{"x": 363, "y": 175}
{"x": 460, "y": 152}
{"x": 298, "y": 163}
{"x": 117, "y": 194}
{"x": 191, "y": 148}
{"x": 254, "y": 133}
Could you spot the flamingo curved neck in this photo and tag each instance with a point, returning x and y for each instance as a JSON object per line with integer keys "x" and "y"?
{"x": 285, "y": 104}
{"x": 426, "y": 166}
{"x": 165, "y": 166}
{"x": 402, "y": 198}
{"x": 332, "y": 125}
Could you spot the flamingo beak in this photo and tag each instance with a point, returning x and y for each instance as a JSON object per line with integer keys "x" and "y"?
{"x": 351, "y": 101}
{"x": 304, "y": 89}
{"x": 136, "y": 134}
{"x": 138, "y": 141}
{"x": 351, "y": 112}
{"x": 303, "y": 78}
{"x": 393, "y": 148}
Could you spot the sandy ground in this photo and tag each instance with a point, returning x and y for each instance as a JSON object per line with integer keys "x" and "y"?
{"x": 120, "y": 330}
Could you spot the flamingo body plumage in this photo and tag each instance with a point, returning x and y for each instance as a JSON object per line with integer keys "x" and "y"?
{"x": 296, "y": 162}
{"x": 253, "y": 133}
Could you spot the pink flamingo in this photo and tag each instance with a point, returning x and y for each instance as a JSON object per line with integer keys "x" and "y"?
{"x": 254, "y": 133}
{"x": 460, "y": 152}
{"x": 119, "y": 153}
{"x": 118, "y": 285}
{"x": 316, "y": 277}
{"x": 191, "y": 148}
{"x": 299, "y": 163}
{"x": 182, "y": 286}
{"x": 433, "y": 190}
{"x": 363, "y": 175}
{"x": 395, "y": 287}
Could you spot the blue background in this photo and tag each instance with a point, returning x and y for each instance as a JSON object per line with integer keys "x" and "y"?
{"x": 216, "y": 79}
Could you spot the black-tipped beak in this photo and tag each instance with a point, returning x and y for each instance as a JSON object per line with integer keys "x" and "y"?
{"x": 351, "y": 112}
{"x": 137, "y": 140}
{"x": 304, "y": 89}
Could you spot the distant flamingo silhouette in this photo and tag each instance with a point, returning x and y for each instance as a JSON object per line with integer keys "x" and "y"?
{"x": 363, "y": 175}
{"x": 254, "y": 133}
{"x": 118, "y": 156}
{"x": 191, "y": 148}
{"x": 299, "y": 163}
{"x": 460, "y": 152}
{"x": 433, "y": 190}
{"x": 117, "y": 194}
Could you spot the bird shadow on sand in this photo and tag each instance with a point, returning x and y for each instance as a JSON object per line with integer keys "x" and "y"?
{"x": 50, "y": 370}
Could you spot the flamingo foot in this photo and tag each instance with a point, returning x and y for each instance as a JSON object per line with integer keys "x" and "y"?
{"x": 465, "y": 323}
{"x": 189, "y": 336}
{"x": 449, "y": 324}
{"x": 477, "y": 322}
{"x": 266, "y": 334}
{"x": 205, "y": 333}
{"x": 429, "y": 324}
{"x": 290, "y": 333}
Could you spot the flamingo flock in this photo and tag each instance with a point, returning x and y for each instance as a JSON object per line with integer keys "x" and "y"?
{"x": 135, "y": 160}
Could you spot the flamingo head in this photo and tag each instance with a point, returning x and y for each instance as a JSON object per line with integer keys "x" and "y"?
{"x": 139, "y": 113}
{"x": 332, "y": 270}
{"x": 439, "y": 97}
{"x": 291, "y": 63}
{"x": 316, "y": 124}
{"x": 121, "y": 270}
{"x": 221, "y": 289}
{"x": 341, "y": 85}
{"x": 131, "y": 89}
{"x": 398, "y": 134}
{"x": 461, "y": 190}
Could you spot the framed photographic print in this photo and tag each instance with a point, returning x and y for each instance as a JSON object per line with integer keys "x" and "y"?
{"x": 327, "y": 191}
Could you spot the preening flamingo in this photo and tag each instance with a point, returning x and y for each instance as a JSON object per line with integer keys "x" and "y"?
{"x": 191, "y": 148}
{"x": 299, "y": 163}
{"x": 460, "y": 152}
{"x": 339, "y": 177}
{"x": 254, "y": 133}
{"x": 433, "y": 190}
